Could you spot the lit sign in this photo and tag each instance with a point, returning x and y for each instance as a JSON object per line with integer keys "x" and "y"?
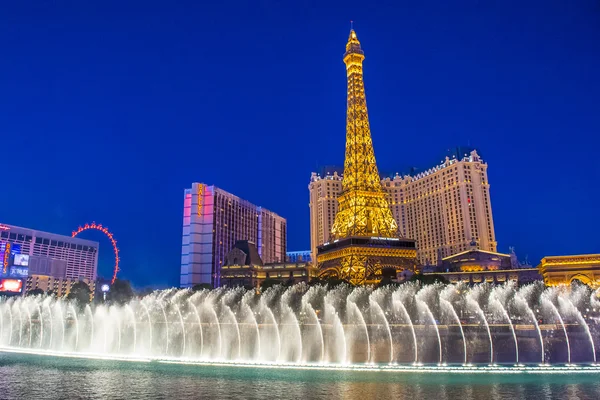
{"x": 21, "y": 260}
{"x": 16, "y": 249}
{"x": 11, "y": 285}
{"x": 7, "y": 248}
{"x": 22, "y": 272}
{"x": 4, "y": 228}
{"x": 200, "y": 198}
{"x": 383, "y": 238}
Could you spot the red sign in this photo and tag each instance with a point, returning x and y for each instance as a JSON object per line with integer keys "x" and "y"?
{"x": 11, "y": 285}
{"x": 4, "y": 228}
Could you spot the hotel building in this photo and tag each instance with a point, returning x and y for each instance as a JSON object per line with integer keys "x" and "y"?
{"x": 52, "y": 255}
{"x": 213, "y": 221}
{"x": 444, "y": 208}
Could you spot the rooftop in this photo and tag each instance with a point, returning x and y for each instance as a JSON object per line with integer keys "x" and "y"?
{"x": 8, "y": 229}
{"x": 475, "y": 251}
{"x": 460, "y": 153}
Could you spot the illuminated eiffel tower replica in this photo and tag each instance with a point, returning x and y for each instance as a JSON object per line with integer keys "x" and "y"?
{"x": 364, "y": 243}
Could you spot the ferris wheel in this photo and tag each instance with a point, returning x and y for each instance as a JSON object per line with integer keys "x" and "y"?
{"x": 103, "y": 229}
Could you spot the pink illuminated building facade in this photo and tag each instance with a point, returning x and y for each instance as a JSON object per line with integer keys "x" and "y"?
{"x": 213, "y": 221}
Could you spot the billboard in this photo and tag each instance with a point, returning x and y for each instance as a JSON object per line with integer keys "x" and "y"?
{"x": 18, "y": 272}
{"x": 21, "y": 260}
{"x": 8, "y": 251}
{"x": 8, "y": 285}
{"x": 15, "y": 249}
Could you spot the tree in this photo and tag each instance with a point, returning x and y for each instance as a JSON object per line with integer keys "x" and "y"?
{"x": 289, "y": 282}
{"x": 316, "y": 281}
{"x": 120, "y": 292}
{"x": 35, "y": 292}
{"x": 386, "y": 281}
{"x": 80, "y": 292}
{"x": 428, "y": 279}
{"x": 330, "y": 282}
{"x": 201, "y": 286}
{"x": 267, "y": 283}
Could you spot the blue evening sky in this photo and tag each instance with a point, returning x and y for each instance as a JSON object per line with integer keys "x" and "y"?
{"x": 109, "y": 109}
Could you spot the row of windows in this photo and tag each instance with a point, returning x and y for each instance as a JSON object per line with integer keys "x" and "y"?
{"x": 426, "y": 217}
{"x": 14, "y": 236}
{"x": 25, "y": 239}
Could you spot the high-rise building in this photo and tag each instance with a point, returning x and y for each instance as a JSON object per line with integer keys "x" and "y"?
{"x": 364, "y": 245}
{"x": 324, "y": 189}
{"x": 213, "y": 221}
{"x": 444, "y": 209}
{"x": 51, "y": 255}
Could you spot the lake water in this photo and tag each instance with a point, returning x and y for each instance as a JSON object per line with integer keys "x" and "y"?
{"x": 27, "y": 376}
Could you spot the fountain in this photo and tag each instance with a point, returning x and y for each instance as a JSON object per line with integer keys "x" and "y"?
{"x": 424, "y": 298}
{"x": 404, "y": 326}
{"x": 498, "y": 299}
{"x": 546, "y": 301}
{"x": 446, "y": 297}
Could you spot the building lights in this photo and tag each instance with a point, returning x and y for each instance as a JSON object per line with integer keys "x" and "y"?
{"x": 200, "y": 198}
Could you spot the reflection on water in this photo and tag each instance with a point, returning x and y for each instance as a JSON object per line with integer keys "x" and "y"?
{"x": 37, "y": 377}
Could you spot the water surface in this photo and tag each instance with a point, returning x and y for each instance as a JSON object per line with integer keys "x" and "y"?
{"x": 25, "y": 376}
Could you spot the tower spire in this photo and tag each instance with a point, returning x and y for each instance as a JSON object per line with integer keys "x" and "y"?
{"x": 363, "y": 208}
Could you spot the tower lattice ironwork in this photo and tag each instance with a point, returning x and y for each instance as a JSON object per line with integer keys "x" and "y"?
{"x": 363, "y": 209}
{"x": 364, "y": 234}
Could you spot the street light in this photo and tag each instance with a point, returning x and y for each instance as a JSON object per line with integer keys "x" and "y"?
{"x": 105, "y": 288}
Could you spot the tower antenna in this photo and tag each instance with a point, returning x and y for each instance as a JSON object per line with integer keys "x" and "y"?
{"x": 351, "y": 24}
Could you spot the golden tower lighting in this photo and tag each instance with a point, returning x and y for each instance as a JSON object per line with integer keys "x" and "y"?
{"x": 364, "y": 239}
